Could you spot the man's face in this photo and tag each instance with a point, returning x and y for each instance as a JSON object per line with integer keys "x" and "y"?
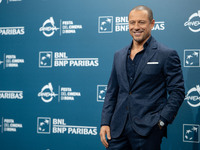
{"x": 139, "y": 25}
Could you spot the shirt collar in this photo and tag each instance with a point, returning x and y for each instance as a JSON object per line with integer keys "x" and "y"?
{"x": 147, "y": 42}
{"x": 145, "y": 45}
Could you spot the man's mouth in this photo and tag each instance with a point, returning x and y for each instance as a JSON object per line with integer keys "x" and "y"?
{"x": 138, "y": 33}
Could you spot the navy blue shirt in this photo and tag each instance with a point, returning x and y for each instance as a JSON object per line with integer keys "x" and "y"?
{"x": 131, "y": 65}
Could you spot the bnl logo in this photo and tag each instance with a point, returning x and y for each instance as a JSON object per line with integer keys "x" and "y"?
{"x": 191, "y": 58}
{"x": 45, "y": 59}
{"x": 44, "y": 125}
{"x": 191, "y": 133}
{"x": 105, "y": 24}
{"x": 101, "y": 92}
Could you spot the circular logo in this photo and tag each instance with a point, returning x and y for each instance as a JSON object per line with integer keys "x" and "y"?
{"x": 193, "y": 96}
{"x": 47, "y": 93}
{"x": 193, "y": 22}
{"x": 48, "y": 28}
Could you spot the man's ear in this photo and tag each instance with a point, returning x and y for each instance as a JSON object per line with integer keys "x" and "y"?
{"x": 152, "y": 23}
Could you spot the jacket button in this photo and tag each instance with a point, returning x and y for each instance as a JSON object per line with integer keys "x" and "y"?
{"x": 130, "y": 93}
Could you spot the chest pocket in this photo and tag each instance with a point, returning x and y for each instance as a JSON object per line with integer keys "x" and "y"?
{"x": 152, "y": 69}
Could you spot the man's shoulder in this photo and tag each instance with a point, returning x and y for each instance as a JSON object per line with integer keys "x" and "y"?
{"x": 162, "y": 48}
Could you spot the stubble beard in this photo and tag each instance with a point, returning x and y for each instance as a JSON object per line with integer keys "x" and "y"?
{"x": 142, "y": 39}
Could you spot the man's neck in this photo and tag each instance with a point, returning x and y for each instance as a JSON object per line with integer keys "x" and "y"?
{"x": 139, "y": 46}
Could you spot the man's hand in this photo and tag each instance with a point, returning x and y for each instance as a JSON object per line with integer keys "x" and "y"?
{"x": 105, "y": 130}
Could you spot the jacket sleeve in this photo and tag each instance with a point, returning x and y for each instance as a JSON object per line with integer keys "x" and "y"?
{"x": 175, "y": 86}
{"x": 111, "y": 97}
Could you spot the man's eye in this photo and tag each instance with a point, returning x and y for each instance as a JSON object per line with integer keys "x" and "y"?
{"x": 142, "y": 22}
{"x": 132, "y": 22}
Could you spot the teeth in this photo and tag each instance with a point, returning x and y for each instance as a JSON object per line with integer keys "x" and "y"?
{"x": 137, "y": 33}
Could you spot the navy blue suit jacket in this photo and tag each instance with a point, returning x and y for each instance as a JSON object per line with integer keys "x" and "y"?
{"x": 157, "y": 91}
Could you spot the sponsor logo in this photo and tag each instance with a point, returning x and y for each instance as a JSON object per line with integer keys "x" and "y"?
{"x": 191, "y": 58}
{"x": 11, "y": 94}
{"x": 45, "y": 59}
{"x": 9, "y": 125}
{"x": 105, "y": 24}
{"x": 101, "y": 92}
{"x": 44, "y": 125}
{"x": 193, "y": 22}
{"x": 64, "y": 93}
{"x": 61, "y": 59}
{"x": 120, "y": 24}
{"x": 48, "y": 28}
{"x": 193, "y": 96}
{"x": 66, "y": 27}
{"x": 11, "y": 61}
{"x": 47, "y": 93}
{"x": 191, "y": 133}
{"x": 12, "y": 30}
{"x": 58, "y": 126}
{"x": 160, "y": 25}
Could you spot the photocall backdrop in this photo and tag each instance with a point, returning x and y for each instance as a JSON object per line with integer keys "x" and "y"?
{"x": 56, "y": 59}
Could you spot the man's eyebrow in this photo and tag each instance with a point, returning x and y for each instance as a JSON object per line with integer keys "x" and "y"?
{"x": 137, "y": 20}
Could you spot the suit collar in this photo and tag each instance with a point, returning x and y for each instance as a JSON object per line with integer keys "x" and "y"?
{"x": 124, "y": 61}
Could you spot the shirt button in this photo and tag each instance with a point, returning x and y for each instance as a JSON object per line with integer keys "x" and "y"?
{"x": 130, "y": 93}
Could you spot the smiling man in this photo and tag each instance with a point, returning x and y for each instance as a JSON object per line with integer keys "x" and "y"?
{"x": 145, "y": 89}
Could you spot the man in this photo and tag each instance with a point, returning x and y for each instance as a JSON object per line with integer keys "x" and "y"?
{"x": 145, "y": 89}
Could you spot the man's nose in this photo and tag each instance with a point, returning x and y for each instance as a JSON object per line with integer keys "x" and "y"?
{"x": 136, "y": 26}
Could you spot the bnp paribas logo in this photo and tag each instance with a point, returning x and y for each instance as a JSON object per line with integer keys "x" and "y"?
{"x": 105, "y": 24}
{"x": 47, "y": 125}
{"x": 45, "y": 59}
{"x": 191, "y": 58}
{"x": 101, "y": 92}
{"x": 44, "y": 125}
{"x": 191, "y": 133}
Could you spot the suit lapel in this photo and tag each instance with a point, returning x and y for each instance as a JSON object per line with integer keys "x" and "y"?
{"x": 148, "y": 54}
{"x": 123, "y": 69}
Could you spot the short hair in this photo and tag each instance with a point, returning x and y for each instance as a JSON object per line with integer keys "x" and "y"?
{"x": 142, "y": 7}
